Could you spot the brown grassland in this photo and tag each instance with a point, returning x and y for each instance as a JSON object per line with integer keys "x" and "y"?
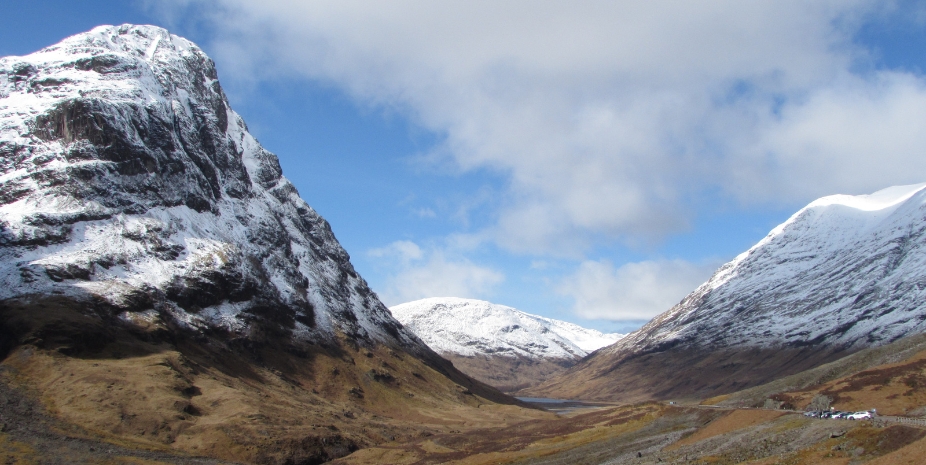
{"x": 136, "y": 398}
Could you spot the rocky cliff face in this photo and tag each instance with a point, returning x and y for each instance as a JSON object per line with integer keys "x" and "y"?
{"x": 127, "y": 180}
{"x": 842, "y": 274}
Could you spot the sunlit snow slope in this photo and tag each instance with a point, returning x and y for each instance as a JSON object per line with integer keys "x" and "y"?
{"x": 499, "y": 345}
{"x": 844, "y": 273}
{"x": 468, "y": 327}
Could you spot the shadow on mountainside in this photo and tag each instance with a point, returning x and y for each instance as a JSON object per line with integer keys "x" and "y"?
{"x": 154, "y": 384}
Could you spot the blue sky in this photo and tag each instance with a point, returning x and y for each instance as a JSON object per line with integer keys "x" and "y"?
{"x": 588, "y": 161}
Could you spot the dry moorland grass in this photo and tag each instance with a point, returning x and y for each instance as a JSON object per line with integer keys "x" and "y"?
{"x": 260, "y": 400}
{"x": 167, "y": 401}
{"x": 737, "y": 419}
{"x": 515, "y": 442}
{"x": 509, "y": 374}
{"x": 894, "y": 388}
{"x": 193, "y": 398}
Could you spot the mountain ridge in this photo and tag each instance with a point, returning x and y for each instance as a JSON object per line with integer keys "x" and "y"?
{"x": 495, "y": 327}
{"x": 842, "y": 274}
{"x": 499, "y": 345}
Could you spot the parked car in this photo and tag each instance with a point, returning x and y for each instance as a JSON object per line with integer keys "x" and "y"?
{"x": 860, "y": 416}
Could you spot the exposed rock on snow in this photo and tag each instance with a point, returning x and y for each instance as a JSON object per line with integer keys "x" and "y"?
{"x": 126, "y": 179}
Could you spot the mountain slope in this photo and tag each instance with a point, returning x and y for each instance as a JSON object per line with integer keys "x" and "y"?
{"x": 500, "y": 345}
{"x": 151, "y": 250}
{"x": 842, "y": 274}
{"x": 126, "y": 176}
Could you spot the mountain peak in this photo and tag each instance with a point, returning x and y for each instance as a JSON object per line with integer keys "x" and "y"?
{"x": 470, "y": 327}
{"x": 152, "y": 44}
{"x": 127, "y": 178}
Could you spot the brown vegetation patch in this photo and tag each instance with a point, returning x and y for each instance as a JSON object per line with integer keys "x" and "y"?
{"x": 735, "y": 420}
{"x": 208, "y": 395}
{"x": 715, "y": 400}
{"x": 911, "y": 454}
{"x": 509, "y": 374}
{"x": 679, "y": 373}
{"x": 904, "y": 349}
{"x": 894, "y": 389}
{"x": 880, "y": 441}
{"x": 514, "y": 441}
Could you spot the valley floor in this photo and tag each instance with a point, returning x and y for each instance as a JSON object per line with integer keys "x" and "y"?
{"x": 657, "y": 433}
{"x": 724, "y": 430}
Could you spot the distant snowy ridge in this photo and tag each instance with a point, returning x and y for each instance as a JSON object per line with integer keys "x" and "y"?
{"x": 468, "y": 327}
{"x": 845, "y": 271}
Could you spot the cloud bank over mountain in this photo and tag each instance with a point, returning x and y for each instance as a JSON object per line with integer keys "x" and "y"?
{"x": 610, "y": 122}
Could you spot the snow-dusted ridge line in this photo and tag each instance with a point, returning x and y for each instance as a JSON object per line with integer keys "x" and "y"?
{"x": 882, "y": 202}
{"x": 125, "y": 175}
{"x": 845, "y": 271}
{"x": 468, "y": 327}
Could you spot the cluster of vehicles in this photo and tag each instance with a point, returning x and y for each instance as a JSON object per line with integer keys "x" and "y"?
{"x": 837, "y": 415}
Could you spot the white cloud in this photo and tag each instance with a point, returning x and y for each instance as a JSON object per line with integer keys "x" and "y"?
{"x": 608, "y": 117}
{"x": 858, "y": 136}
{"x": 634, "y": 291}
{"x": 416, "y": 274}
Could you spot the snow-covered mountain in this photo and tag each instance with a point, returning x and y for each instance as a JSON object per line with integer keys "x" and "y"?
{"x": 469, "y": 327}
{"x": 499, "y": 345}
{"x": 126, "y": 179}
{"x": 844, "y": 273}
{"x": 143, "y": 226}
